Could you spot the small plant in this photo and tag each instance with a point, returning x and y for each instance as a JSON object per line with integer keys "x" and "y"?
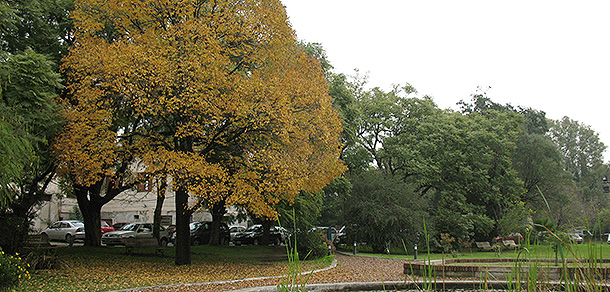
{"x": 465, "y": 244}
{"x": 295, "y": 280}
{"x": 43, "y": 260}
{"x": 497, "y": 248}
{"x": 447, "y": 242}
{"x": 12, "y": 270}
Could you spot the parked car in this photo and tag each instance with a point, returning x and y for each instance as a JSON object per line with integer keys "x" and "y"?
{"x": 67, "y": 230}
{"x": 575, "y": 237}
{"x": 134, "y": 230}
{"x": 119, "y": 225}
{"x": 254, "y": 234}
{"x": 192, "y": 226}
{"x": 334, "y": 233}
{"x": 236, "y": 229}
{"x": 171, "y": 230}
{"x": 584, "y": 233}
{"x": 106, "y": 227}
{"x": 200, "y": 233}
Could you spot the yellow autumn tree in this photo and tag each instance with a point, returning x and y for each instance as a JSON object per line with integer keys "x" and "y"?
{"x": 215, "y": 94}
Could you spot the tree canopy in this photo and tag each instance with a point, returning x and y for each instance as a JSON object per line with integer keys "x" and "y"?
{"x": 34, "y": 34}
{"x": 215, "y": 93}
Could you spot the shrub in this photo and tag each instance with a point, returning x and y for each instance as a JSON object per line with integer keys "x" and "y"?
{"x": 310, "y": 245}
{"x": 43, "y": 260}
{"x": 12, "y": 270}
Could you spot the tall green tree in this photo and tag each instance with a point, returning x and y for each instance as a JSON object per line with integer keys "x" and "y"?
{"x": 28, "y": 123}
{"x": 582, "y": 154}
{"x": 41, "y": 25}
{"x": 537, "y": 160}
{"x": 580, "y": 146}
{"x": 384, "y": 211}
{"x": 34, "y": 35}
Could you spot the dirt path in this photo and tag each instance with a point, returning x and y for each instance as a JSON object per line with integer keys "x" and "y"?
{"x": 349, "y": 269}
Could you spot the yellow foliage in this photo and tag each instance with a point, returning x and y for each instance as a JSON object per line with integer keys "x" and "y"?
{"x": 214, "y": 93}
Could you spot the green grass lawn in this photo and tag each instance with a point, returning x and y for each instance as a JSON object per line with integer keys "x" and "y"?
{"x": 582, "y": 251}
{"x": 104, "y": 269}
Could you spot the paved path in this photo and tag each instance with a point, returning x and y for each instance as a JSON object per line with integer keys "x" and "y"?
{"x": 349, "y": 269}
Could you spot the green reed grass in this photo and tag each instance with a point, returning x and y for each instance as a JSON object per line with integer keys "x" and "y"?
{"x": 295, "y": 280}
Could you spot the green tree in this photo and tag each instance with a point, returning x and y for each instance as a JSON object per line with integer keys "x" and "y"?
{"x": 28, "y": 122}
{"x": 580, "y": 146}
{"x": 384, "y": 211}
{"x": 335, "y": 202}
{"x": 537, "y": 160}
{"x": 41, "y": 25}
{"x": 463, "y": 163}
{"x": 582, "y": 154}
{"x": 34, "y": 35}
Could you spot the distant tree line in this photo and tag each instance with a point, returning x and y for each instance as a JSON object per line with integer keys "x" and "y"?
{"x": 483, "y": 171}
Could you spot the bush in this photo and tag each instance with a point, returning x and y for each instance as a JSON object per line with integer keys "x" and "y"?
{"x": 43, "y": 260}
{"x": 12, "y": 270}
{"x": 310, "y": 245}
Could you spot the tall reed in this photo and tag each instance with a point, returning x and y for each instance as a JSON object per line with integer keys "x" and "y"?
{"x": 295, "y": 280}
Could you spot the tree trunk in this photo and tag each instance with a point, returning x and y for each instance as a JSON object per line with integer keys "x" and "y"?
{"x": 91, "y": 210}
{"x": 266, "y": 236}
{"x": 159, "y": 207}
{"x": 218, "y": 212}
{"x": 183, "y": 216}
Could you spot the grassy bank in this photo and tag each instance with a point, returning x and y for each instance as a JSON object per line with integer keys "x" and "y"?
{"x": 104, "y": 269}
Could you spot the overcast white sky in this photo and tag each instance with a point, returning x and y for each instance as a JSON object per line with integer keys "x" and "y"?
{"x": 552, "y": 56}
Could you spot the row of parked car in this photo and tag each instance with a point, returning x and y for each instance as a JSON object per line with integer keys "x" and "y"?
{"x": 200, "y": 233}
{"x": 70, "y": 230}
{"x": 135, "y": 231}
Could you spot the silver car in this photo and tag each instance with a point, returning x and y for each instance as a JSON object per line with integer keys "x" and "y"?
{"x": 236, "y": 229}
{"x": 67, "y": 230}
{"x": 134, "y": 231}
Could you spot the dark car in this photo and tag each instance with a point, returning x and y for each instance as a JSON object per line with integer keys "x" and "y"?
{"x": 201, "y": 232}
{"x": 254, "y": 234}
{"x": 235, "y": 230}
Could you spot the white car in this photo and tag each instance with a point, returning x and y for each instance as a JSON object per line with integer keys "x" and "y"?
{"x": 134, "y": 231}
{"x": 576, "y": 238}
{"x": 67, "y": 230}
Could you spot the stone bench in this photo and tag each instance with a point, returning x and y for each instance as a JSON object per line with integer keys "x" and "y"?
{"x": 37, "y": 240}
{"x": 142, "y": 243}
{"x": 509, "y": 243}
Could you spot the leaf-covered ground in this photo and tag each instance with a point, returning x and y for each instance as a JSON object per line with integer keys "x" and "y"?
{"x": 106, "y": 269}
{"x": 348, "y": 269}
